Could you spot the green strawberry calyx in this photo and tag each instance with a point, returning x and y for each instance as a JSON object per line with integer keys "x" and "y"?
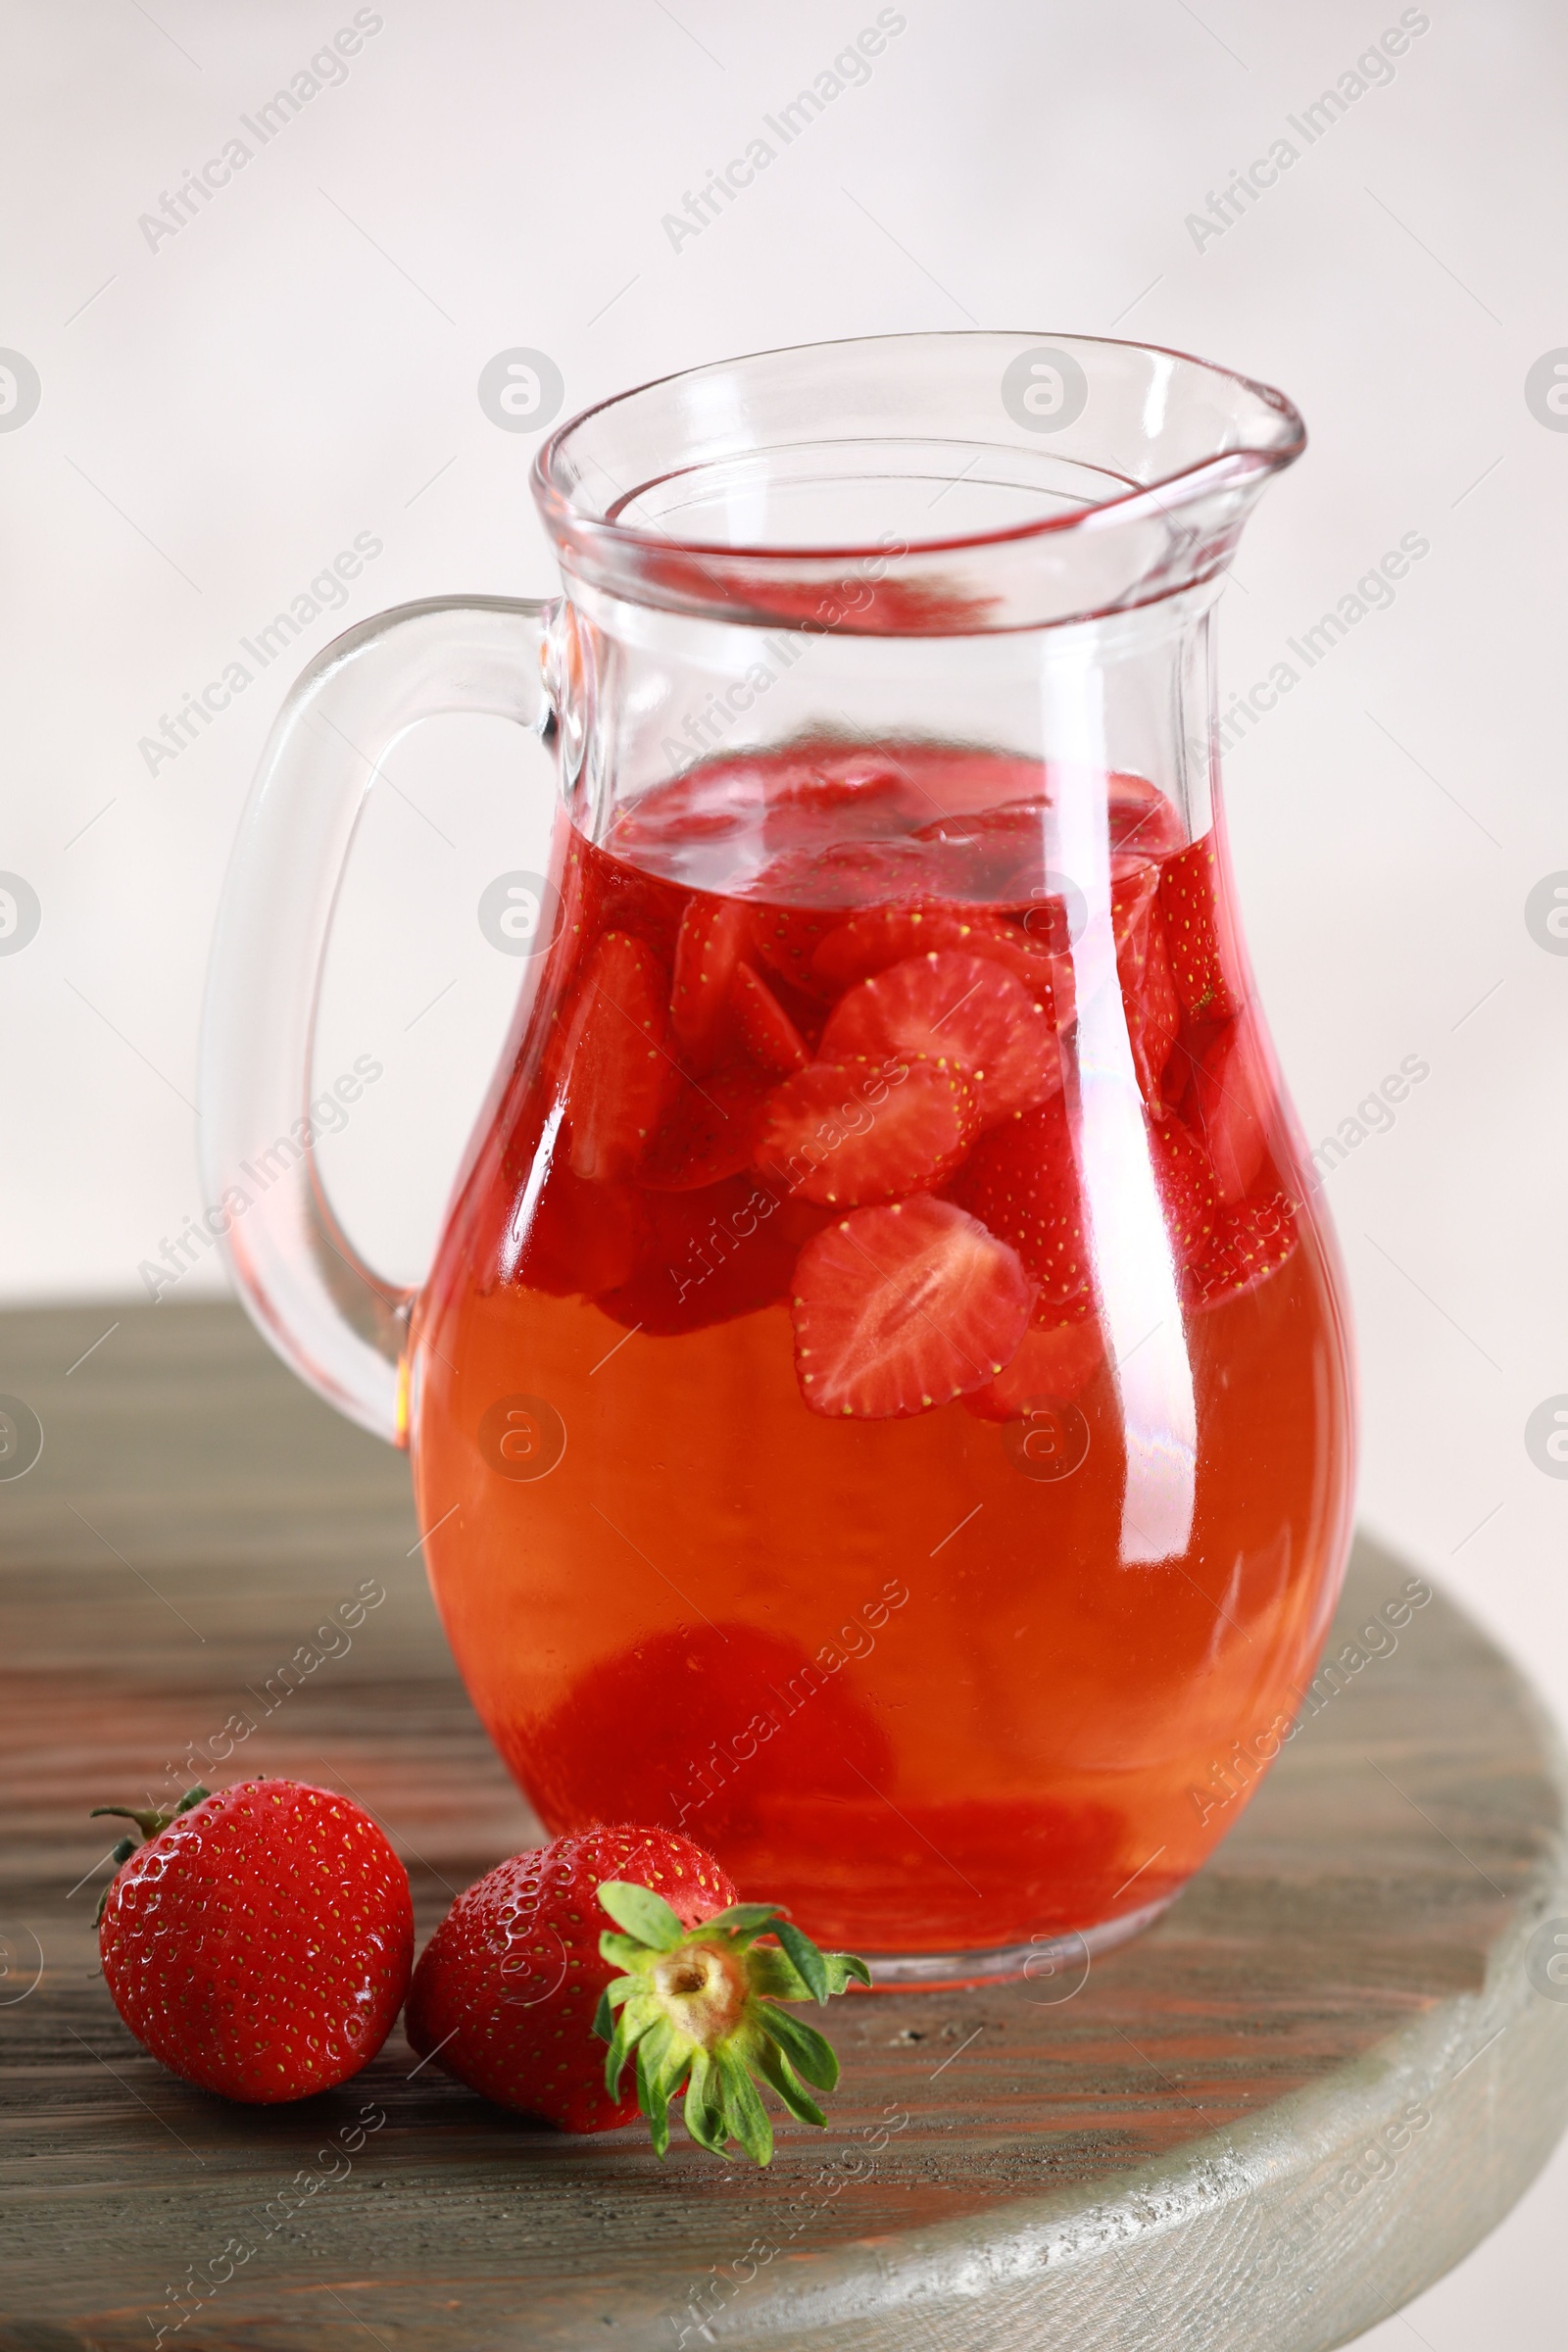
{"x": 699, "y": 2007}
{"x": 149, "y": 1822}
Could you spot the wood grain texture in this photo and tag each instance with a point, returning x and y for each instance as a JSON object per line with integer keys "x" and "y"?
{"x": 1212, "y": 2143}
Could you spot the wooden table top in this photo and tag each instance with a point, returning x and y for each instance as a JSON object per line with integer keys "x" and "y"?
{"x": 1314, "y": 2085}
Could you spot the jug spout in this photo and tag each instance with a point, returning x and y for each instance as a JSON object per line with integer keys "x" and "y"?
{"x": 917, "y": 485}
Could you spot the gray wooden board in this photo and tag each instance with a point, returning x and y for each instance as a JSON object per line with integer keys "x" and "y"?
{"x": 1213, "y": 2143}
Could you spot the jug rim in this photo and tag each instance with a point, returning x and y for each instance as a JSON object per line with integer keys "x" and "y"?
{"x": 752, "y": 579}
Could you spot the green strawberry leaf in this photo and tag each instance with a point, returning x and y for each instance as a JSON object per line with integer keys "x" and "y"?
{"x": 744, "y": 2111}
{"x": 642, "y": 1914}
{"x": 631, "y": 2024}
{"x": 705, "y": 2112}
{"x": 662, "y": 2059}
{"x": 742, "y": 1920}
{"x": 776, "y": 2070}
{"x": 654, "y": 2100}
{"x": 774, "y": 1973}
{"x": 802, "y": 2044}
{"x": 842, "y": 1966}
{"x": 807, "y": 1960}
{"x": 604, "y": 2021}
{"x": 623, "y": 1951}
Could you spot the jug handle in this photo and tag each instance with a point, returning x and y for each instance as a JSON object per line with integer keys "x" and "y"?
{"x": 330, "y": 1316}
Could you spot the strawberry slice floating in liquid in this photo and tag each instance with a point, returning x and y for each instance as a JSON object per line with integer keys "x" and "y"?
{"x": 1189, "y": 901}
{"x": 615, "y": 1743}
{"x": 620, "y": 1073}
{"x": 1231, "y": 1097}
{"x": 845, "y": 1135}
{"x": 1134, "y": 886}
{"x": 717, "y": 826}
{"x": 1187, "y": 1191}
{"x": 900, "y": 1308}
{"x": 884, "y": 935}
{"x": 845, "y": 874}
{"x": 710, "y": 1130}
{"x": 711, "y": 1254}
{"x": 615, "y": 899}
{"x": 1001, "y": 851}
{"x": 1148, "y": 993}
{"x": 1141, "y": 817}
{"x": 1253, "y": 1238}
{"x": 1143, "y": 967}
{"x": 1056, "y": 1364}
{"x": 786, "y": 939}
{"x": 768, "y": 1033}
{"x": 714, "y": 933}
{"x": 583, "y": 1238}
{"x": 841, "y": 791}
{"x": 963, "y": 1009}
{"x": 1001, "y": 848}
{"x": 1022, "y": 1181}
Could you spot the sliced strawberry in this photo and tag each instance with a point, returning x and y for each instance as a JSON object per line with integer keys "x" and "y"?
{"x": 1253, "y": 1237}
{"x": 950, "y": 781}
{"x": 620, "y": 1073}
{"x": 768, "y": 1033}
{"x": 850, "y": 1134}
{"x": 1179, "y": 1085}
{"x": 1187, "y": 1189}
{"x": 723, "y": 822}
{"x": 1001, "y": 848}
{"x": 1133, "y": 885}
{"x": 839, "y": 790}
{"x": 638, "y": 1729}
{"x": 1141, "y": 817}
{"x": 625, "y": 900}
{"x": 1056, "y": 921}
{"x": 710, "y": 1256}
{"x": 1001, "y": 851}
{"x": 883, "y": 935}
{"x": 1049, "y": 979}
{"x": 786, "y": 939}
{"x": 1022, "y": 1181}
{"x": 1053, "y": 922}
{"x": 1232, "y": 1104}
{"x": 838, "y": 874}
{"x": 1056, "y": 1364}
{"x": 1148, "y": 993}
{"x": 1189, "y": 898}
{"x": 710, "y": 1130}
{"x": 899, "y": 1309}
{"x": 714, "y": 933}
{"x": 963, "y": 1009}
{"x": 582, "y": 1238}
{"x": 870, "y": 941}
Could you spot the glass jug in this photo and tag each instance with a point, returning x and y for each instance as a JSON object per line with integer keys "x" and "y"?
{"x": 881, "y": 1404}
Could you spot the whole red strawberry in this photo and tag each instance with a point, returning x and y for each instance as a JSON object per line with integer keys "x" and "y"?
{"x": 507, "y": 1988}
{"x": 522, "y": 1976}
{"x": 260, "y": 1942}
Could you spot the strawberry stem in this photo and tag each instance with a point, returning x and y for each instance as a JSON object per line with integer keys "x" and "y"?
{"x": 149, "y": 1822}
{"x": 699, "y": 2009}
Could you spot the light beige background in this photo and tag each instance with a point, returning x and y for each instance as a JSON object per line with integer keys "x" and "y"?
{"x": 224, "y": 409}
